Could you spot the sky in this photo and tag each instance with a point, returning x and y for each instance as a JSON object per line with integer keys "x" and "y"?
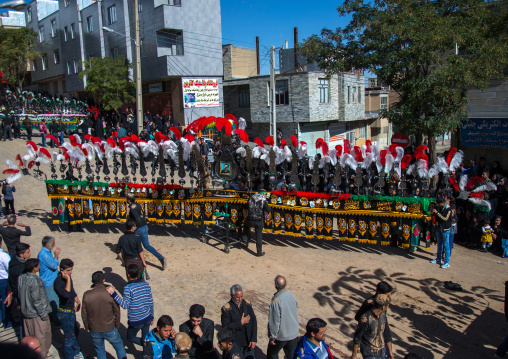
{"x": 273, "y": 21}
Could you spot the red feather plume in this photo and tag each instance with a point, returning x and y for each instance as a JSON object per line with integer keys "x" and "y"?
{"x": 269, "y": 140}
{"x": 176, "y": 132}
{"x": 319, "y": 143}
{"x": 294, "y": 141}
{"x": 74, "y": 140}
{"x": 31, "y": 164}
{"x": 232, "y": 118}
{"x": 474, "y": 182}
{"x": 20, "y": 161}
{"x": 382, "y": 156}
{"x": 243, "y": 135}
{"x": 393, "y": 151}
{"x": 358, "y": 153}
{"x": 283, "y": 143}
{"x": 67, "y": 157}
{"x": 454, "y": 183}
{"x": 45, "y": 152}
{"x": 347, "y": 146}
{"x": 324, "y": 148}
{"x": 33, "y": 145}
{"x": 88, "y": 137}
{"x": 136, "y": 139}
{"x": 405, "y": 161}
{"x": 111, "y": 142}
{"x": 338, "y": 150}
{"x": 10, "y": 171}
{"x": 368, "y": 144}
{"x": 189, "y": 137}
{"x": 85, "y": 152}
{"x": 158, "y": 137}
{"x": 420, "y": 151}
{"x": 258, "y": 142}
{"x": 96, "y": 140}
{"x": 63, "y": 149}
{"x": 52, "y": 138}
{"x": 450, "y": 155}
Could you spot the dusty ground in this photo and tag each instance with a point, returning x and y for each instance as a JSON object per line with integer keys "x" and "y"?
{"x": 330, "y": 280}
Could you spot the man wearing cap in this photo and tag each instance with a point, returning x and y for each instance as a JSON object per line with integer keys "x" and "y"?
{"x": 257, "y": 206}
{"x": 443, "y": 226}
{"x": 373, "y": 331}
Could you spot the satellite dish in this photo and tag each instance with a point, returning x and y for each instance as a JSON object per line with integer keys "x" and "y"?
{"x": 14, "y": 4}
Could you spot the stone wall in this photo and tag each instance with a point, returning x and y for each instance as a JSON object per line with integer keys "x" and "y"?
{"x": 352, "y": 110}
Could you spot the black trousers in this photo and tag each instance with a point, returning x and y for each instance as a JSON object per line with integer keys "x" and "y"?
{"x": 258, "y": 228}
{"x": 29, "y": 133}
{"x": 289, "y": 347}
{"x": 9, "y": 206}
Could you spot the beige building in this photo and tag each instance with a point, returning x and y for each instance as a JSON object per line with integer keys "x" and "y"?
{"x": 239, "y": 62}
{"x": 377, "y": 129}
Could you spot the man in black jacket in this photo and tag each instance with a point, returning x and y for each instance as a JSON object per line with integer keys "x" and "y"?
{"x": 257, "y": 206}
{"x": 443, "y": 225}
{"x": 137, "y": 213}
{"x": 53, "y": 128}
{"x": 238, "y": 315}
{"x": 16, "y": 268}
{"x": 11, "y": 234}
{"x": 7, "y": 127}
{"x": 200, "y": 330}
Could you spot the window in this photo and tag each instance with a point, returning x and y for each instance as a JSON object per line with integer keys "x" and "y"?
{"x": 281, "y": 92}
{"x": 142, "y": 47}
{"x": 170, "y": 42}
{"x": 372, "y": 82}
{"x": 384, "y": 103}
{"x": 353, "y": 95}
{"x": 29, "y": 14}
{"x": 34, "y": 65}
{"x": 54, "y": 31}
{"x": 111, "y": 14}
{"x": 140, "y": 6}
{"x": 76, "y": 67}
{"x": 359, "y": 95}
{"x": 44, "y": 62}
{"x": 348, "y": 94}
{"x": 323, "y": 86}
{"x": 385, "y": 130}
{"x": 89, "y": 24}
{"x": 73, "y": 33}
{"x": 244, "y": 96}
{"x": 67, "y": 3}
{"x": 361, "y": 132}
{"x": 66, "y": 33}
{"x": 177, "y": 2}
{"x": 114, "y": 52}
{"x": 56, "y": 56}
{"x": 69, "y": 68}
{"x": 41, "y": 34}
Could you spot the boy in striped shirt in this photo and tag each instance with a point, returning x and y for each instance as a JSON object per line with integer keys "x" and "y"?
{"x": 138, "y": 300}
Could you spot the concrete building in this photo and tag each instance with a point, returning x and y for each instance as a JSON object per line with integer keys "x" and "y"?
{"x": 310, "y": 105}
{"x": 181, "y": 50}
{"x": 239, "y": 62}
{"x": 12, "y": 19}
{"x": 378, "y": 129}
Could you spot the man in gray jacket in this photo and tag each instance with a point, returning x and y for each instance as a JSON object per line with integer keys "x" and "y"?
{"x": 282, "y": 321}
{"x": 35, "y": 305}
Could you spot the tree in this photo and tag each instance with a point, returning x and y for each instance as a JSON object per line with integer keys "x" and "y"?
{"x": 17, "y": 51}
{"x": 429, "y": 52}
{"x": 108, "y": 79}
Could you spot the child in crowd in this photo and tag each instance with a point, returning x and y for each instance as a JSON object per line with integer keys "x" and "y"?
{"x": 486, "y": 235}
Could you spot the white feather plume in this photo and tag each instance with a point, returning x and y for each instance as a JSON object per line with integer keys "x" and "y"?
{"x": 11, "y": 165}
{"x": 410, "y": 168}
{"x": 111, "y": 152}
{"x": 311, "y": 162}
{"x": 31, "y": 151}
{"x": 463, "y": 195}
{"x": 286, "y": 151}
{"x": 486, "y": 187}
{"x": 351, "y": 162}
{"x": 242, "y": 123}
{"x": 186, "y": 147}
{"x": 389, "y": 162}
{"x": 54, "y": 156}
{"x": 66, "y": 145}
{"x": 442, "y": 165}
{"x": 375, "y": 151}
{"x": 264, "y": 157}
{"x": 400, "y": 153}
{"x": 42, "y": 160}
{"x": 14, "y": 177}
{"x": 60, "y": 157}
{"x": 456, "y": 160}
{"x": 434, "y": 170}
{"x": 132, "y": 151}
{"x": 25, "y": 159}
{"x": 423, "y": 171}
{"x": 333, "y": 156}
{"x": 258, "y": 151}
{"x": 463, "y": 182}
{"x": 302, "y": 150}
{"x": 76, "y": 155}
{"x": 241, "y": 151}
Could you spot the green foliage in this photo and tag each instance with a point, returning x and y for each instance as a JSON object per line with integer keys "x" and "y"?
{"x": 17, "y": 51}
{"x": 108, "y": 79}
{"x": 410, "y": 45}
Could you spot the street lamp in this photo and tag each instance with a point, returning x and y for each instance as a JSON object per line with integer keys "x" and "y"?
{"x": 139, "y": 89}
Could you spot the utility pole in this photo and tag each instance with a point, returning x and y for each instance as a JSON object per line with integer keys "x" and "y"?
{"x": 273, "y": 105}
{"x": 139, "y": 89}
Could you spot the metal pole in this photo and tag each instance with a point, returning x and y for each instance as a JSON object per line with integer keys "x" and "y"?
{"x": 139, "y": 89}
{"x": 273, "y": 117}
{"x": 257, "y": 55}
